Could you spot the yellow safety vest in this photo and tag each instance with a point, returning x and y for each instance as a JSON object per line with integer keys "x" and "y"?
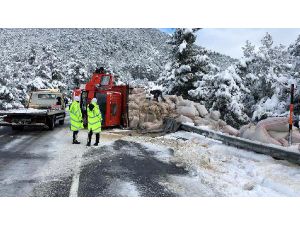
{"x": 94, "y": 118}
{"x": 76, "y": 116}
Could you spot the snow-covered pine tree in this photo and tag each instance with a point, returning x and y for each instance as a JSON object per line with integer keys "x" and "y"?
{"x": 76, "y": 73}
{"x": 224, "y": 92}
{"x": 226, "y": 96}
{"x": 187, "y": 63}
{"x": 44, "y": 69}
{"x": 294, "y": 48}
{"x": 294, "y": 51}
{"x": 268, "y": 73}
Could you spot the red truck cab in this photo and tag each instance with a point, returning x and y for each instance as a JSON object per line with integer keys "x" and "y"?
{"x": 111, "y": 98}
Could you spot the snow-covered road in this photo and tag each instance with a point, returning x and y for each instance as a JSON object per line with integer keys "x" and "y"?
{"x": 45, "y": 163}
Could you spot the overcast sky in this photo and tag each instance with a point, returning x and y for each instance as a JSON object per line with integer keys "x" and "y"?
{"x": 230, "y": 41}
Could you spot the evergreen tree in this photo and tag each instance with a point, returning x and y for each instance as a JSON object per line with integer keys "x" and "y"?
{"x": 187, "y": 63}
{"x": 224, "y": 92}
{"x": 268, "y": 73}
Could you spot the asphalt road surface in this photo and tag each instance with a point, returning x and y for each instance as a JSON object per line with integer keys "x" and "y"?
{"x": 44, "y": 163}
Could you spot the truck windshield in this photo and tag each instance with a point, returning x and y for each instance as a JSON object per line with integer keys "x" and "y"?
{"x": 105, "y": 80}
{"x": 46, "y": 96}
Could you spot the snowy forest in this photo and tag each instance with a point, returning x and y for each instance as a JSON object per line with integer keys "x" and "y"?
{"x": 254, "y": 87}
{"x": 243, "y": 90}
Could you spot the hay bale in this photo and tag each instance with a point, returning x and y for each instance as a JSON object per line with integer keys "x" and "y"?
{"x": 139, "y": 100}
{"x": 247, "y": 131}
{"x": 278, "y": 135}
{"x": 132, "y": 97}
{"x": 215, "y": 115}
{"x": 185, "y": 103}
{"x": 198, "y": 122}
{"x": 133, "y": 124}
{"x": 133, "y": 113}
{"x": 222, "y": 123}
{"x": 138, "y": 90}
{"x": 172, "y": 106}
{"x": 151, "y": 126}
{"x": 230, "y": 130}
{"x": 196, "y": 111}
{"x": 142, "y": 118}
{"x": 201, "y": 109}
{"x": 184, "y": 119}
{"x": 189, "y": 111}
{"x": 280, "y": 124}
{"x": 150, "y": 117}
{"x": 133, "y": 106}
{"x": 163, "y": 108}
{"x": 154, "y": 109}
{"x": 172, "y": 98}
{"x": 296, "y": 137}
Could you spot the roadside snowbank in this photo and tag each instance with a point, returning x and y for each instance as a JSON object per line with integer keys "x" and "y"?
{"x": 218, "y": 170}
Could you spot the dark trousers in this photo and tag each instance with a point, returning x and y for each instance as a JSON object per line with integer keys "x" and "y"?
{"x": 90, "y": 137}
{"x": 75, "y": 133}
{"x": 155, "y": 97}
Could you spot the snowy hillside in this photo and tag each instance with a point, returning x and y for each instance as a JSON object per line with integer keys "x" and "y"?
{"x": 64, "y": 58}
{"x": 251, "y": 88}
{"x": 220, "y": 60}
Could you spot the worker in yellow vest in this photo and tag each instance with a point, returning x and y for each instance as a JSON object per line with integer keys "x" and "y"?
{"x": 94, "y": 121}
{"x": 76, "y": 118}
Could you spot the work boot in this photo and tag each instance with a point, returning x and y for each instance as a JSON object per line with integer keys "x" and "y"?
{"x": 76, "y": 142}
{"x": 97, "y": 139}
{"x": 89, "y": 138}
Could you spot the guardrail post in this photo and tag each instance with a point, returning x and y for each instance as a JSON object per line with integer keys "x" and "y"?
{"x": 291, "y": 114}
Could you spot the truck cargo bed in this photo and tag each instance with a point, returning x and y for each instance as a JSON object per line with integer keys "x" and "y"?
{"x": 21, "y": 112}
{"x": 30, "y": 111}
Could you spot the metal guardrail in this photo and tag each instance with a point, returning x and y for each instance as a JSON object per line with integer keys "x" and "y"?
{"x": 276, "y": 152}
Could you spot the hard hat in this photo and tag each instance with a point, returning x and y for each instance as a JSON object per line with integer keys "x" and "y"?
{"x": 94, "y": 100}
{"x": 77, "y": 98}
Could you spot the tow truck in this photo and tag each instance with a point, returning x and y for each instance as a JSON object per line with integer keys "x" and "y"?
{"x": 45, "y": 108}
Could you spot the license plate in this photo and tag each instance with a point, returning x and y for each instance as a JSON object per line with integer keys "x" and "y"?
{"x": 22, "y": 121}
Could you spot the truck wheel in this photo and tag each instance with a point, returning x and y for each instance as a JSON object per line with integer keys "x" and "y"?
{"x": 19, "y": 128}
{"x": 51, "y": 123}
{"x": 61, "y": 122}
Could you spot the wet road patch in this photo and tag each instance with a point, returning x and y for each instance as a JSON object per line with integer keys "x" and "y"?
{"x": 125, "y": 169}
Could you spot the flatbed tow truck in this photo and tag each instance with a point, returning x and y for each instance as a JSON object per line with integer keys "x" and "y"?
{"x": 45, "y": 108}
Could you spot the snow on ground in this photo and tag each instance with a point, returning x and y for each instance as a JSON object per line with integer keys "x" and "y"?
{"x": 220, "y": 170}
{"x": 13, "y": 143}
{"x": 214, "y": 169}
{"x": 124, "y": 188}
{"x": 293, "y": 148}
{"x": 66, "y": 155}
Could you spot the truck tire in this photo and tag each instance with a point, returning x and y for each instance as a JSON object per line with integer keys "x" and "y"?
{"x": 62, "y": 122}
{"x": 51, "y": 122}
{"x": 19, "y": 128}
